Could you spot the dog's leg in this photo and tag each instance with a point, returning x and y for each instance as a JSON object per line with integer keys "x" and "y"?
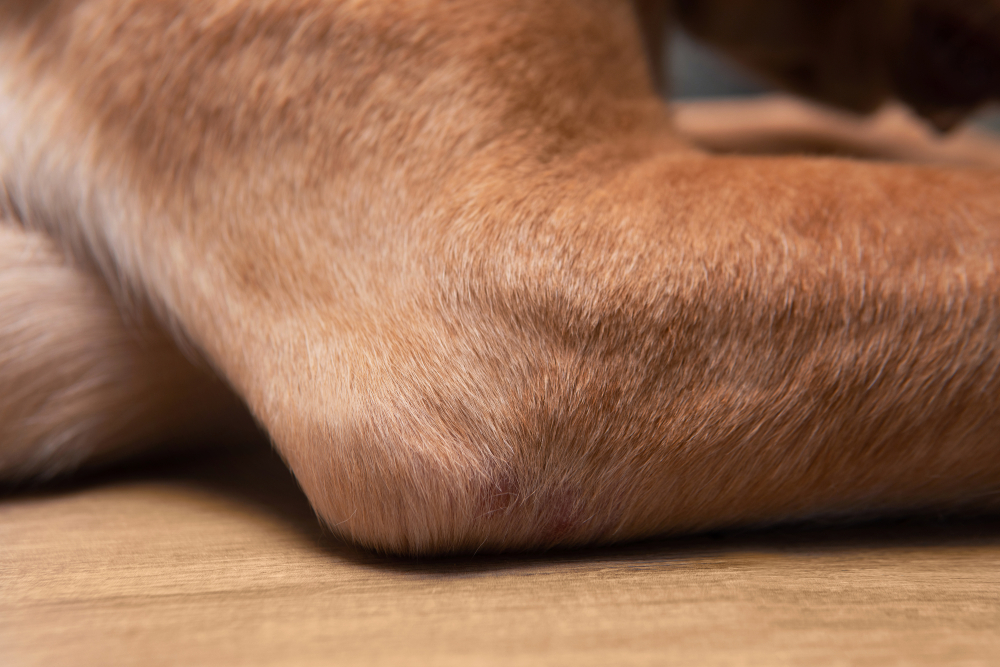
{"x": 80, "y": 386}
{"x": 942, "y": 57}
{"x": 460, "y": 266}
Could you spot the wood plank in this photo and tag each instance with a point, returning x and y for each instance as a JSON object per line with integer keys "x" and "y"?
{"x": 221, "y": 562}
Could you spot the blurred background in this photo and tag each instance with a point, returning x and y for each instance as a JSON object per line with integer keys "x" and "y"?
{"x": 698, "y": 72}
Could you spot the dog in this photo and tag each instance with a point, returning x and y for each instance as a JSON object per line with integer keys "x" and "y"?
{"x": 462, "y": 268}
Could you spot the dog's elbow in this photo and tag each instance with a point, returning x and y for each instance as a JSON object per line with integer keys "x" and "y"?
{"x": 416, "y": 489}
{"x": 490, "y": 451}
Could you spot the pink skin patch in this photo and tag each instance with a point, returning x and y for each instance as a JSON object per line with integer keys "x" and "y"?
{"x": 561, "y": 515}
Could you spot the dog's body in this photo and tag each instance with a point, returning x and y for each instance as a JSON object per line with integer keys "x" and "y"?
{"x": 466, "y": 274}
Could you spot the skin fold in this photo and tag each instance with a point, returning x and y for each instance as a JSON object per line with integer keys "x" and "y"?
{"x": 461, "y": 266}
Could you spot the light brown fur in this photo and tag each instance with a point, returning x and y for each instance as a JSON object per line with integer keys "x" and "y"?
{"x": 462, "y": 268}
{"x": 80, "y": 384}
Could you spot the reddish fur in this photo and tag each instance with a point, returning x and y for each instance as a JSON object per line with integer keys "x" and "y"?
{"x": 460, "y": 265}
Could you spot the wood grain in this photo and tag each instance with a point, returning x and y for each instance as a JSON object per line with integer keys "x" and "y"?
{"x": 220, "y": 562}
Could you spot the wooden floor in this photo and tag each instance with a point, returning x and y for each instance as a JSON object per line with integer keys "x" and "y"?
{"x": 221, "y": 562}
